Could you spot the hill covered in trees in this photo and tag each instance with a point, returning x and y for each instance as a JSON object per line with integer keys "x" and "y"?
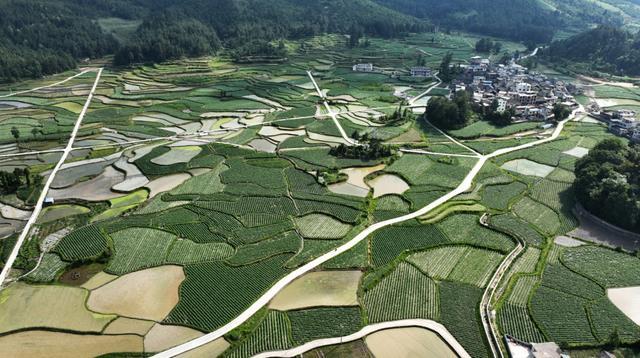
{"x": 608, "y": 183}
{"x": 530, "y": 21}
{"x": 605, "y": 48}
{"x": 40, "y": 37}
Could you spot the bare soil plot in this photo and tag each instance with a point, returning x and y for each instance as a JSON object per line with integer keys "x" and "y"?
{"x": 323, "y": 288}
{"x": 408, "y": 342}
{"x": 349, "y": 189}
{"x": 577, "y": 152}
{"x": 528, "y": 167}
{"x": 96, "y": 189}
{"x": 357, "y": 175}
{"x": 177, "y": 155}
{"x": 123, "y": 325}
{"x": 263, "y": 145}
{"x": 134, "y": 179}
{"x": 9, "y": 212}
{"x": 388, "y": 184}
{"x": 99, "y": 279}
{"x": 212, "y": 349}
{"x": 166, "y": 183}
{"x": 567, "y": 241}
{"x": 162, "y": 337}
{"x": 23, "y": 306}
{"x": 55, "y": 344}
{"x": 147, "y": 294}
{"x": 627, "y": 299}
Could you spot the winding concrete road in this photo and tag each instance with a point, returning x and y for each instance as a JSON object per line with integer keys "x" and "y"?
{"x": 38, "y": 207}
{"x": 47, "y": 86}
{"x": 424, "y": 323}
{"x": 464, "y": 186}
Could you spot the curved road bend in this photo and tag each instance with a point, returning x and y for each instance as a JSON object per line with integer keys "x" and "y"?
{"x": 424, "y": 323}
{"x": 278, "y": 286}
{"x": 47, "y": 185}
{"x": 47, "y": 86}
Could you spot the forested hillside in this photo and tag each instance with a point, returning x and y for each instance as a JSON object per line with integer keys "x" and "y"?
{"x": 522, "y": 20}
{"x": 605, "y": 49}
{"x": 39, "y": 37}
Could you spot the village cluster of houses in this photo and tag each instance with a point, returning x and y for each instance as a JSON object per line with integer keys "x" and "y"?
{"x": 622, "y": 122}
{"x": 419, "y": 71}
{"x": 532, "y": 95}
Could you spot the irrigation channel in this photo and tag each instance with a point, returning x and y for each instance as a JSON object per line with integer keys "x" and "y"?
{"x": 466, "y": 185}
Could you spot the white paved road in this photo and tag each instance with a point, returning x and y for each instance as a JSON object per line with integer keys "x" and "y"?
{"x": 424, "y": 323}
{"x": 414, "y": 99}
{"x": 331, "y": 113}
{"x": 464, "y": 186}
{"x": 38, "y": 207}
{"x": 47, "y": 86}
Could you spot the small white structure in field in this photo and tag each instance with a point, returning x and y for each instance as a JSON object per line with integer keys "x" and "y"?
{"x": 363, "y": 67}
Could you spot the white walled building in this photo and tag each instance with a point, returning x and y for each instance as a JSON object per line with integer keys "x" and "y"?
{"x": 363, "y": 67}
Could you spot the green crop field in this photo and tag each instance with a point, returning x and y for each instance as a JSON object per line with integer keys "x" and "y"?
{"x": 325, "y": 322}
{"x": 271, "y": 334}
{"x": 466, "y": 229}
{"x": 388, "y": 243}
{"x": 221, "y": 171}
{"x": 404, "y": 293}
{"x": 499, "y": 196}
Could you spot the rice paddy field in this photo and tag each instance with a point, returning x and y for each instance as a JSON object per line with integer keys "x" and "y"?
{"x": 199, "y": 174}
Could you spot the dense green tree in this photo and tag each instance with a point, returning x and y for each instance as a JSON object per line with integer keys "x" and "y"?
{"x": 449, "y": 114}
{"x": 561, "y": 112}
{"x": 15, "y": 132}
{"x": 605, "y": 48}
{"x": 607, "y": 183}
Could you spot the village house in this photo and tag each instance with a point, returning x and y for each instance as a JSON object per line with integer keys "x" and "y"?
{"x": 420, "y": 72}
{"x": 363, "y": 67}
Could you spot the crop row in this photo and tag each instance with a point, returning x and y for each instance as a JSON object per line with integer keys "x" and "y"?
{"x": 459, "y": 312}
{"x": 214, "y": 293}
{"x": 466, "y": 229}
{"x": 499, "y": 196}
{"x": 184, "y": 252}
{"x": 324, "y": 322}
{"x": 271, "y": 334}
{"x": 514, "y": 320}
{"x": 518, "y": 228}
{"x": 82, "y": 244}
{"x": 388, "y": 243}
{"x": 289, "y": 242}
{"x": 403, "y": 294}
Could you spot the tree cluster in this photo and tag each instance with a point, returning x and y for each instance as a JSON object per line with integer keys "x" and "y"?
{"x": 10, "y": 182}
{"x": 605, "y": 48}
{"x": 368, "y": 148}
{"x": 448, "y": 72}
{"x": 561, "y": 111}
{"x": 449, "y": 113}
{"x": 400, "y": 115}
{"x": 500, "y": 119}
{"x": 42, "y": 37}
{"x": 486, "y": 45}
{"x": 608, "y": 183}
